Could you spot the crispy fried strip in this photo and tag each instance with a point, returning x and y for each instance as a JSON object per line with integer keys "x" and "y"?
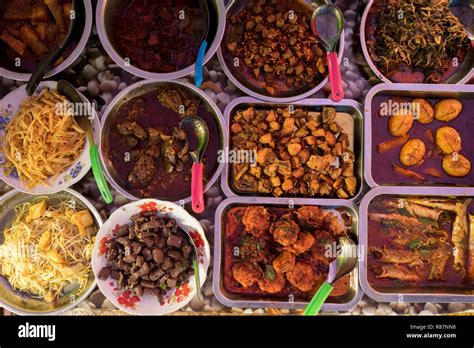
{"x": 439, "y": 260}
{"x": 415, "y": 209}
{"x": 392, "y": 143}
{"x": 407, "y": 172}
{"x": 460, "y": 238}
{"x": 471, "y": 248}
{"x": 396, "y": 271}
{"x": 409, "y": 257}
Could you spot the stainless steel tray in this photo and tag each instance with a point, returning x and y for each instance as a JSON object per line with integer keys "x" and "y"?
{"x": 346, "y": 105}
{"x": 227, "y": 298}
{"x": 461, "y": 92}
{"x": 363, "y": 240}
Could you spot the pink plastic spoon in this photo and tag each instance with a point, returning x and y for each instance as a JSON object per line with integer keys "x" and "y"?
{"x": 327, "y": 24}
{"x": 198, "y": 138}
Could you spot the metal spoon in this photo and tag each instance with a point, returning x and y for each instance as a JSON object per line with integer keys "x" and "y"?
{"x": 68, "y": 90}
{"x": 203, "y": 48}
{"x": 342, "y": 265}
{"x": 196, "y": 128}
{"x": 327, "y": 23}
{"x": 47, "y": 63}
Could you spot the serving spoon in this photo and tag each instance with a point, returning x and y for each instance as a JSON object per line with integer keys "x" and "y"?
{"x": 342, "y": 265}
{"x": 48, "y": 62}
{"x": 82, "y": 119}
{"x": 196, "y": 128}
{"x": 198, "y": 78}
{"x": 327, "y": 23}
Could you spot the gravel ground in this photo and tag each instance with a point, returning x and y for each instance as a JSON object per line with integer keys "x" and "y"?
{"x": 100, "y": 80}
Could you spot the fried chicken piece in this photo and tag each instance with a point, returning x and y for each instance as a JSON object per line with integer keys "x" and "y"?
{"x": 303, "y": 277}
{"x": 285, "y": 231}
{"x": 323, "y": 241}
{"x": 26, "y": 9}
{"x": 284, "y": 262}
{"x": 333, "y": 225}
{"x": 17, "y": 45}
{"x": 310, "y": 217}
{"x": 272, "y": 286}
{"x": 256, "y": 220}
{"x": 255, "y": 249}
{"x": 397, "y": 271}
{"x": 57, "y": 12}
{"x": 33, "y": 41}
{"x": 304, "y": 242}
{"x": 246, "y": 274}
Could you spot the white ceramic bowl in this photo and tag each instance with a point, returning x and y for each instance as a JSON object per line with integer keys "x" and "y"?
{"x": 9, "y": 106}
{"x": 175, "y": 299}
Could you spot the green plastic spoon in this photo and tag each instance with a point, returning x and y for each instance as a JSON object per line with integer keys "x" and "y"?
{"x": 82, "y": 120}
{"x": 342, "y": 265}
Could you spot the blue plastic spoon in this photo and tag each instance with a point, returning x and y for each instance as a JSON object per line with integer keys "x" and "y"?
{"x": 198, "y": 79}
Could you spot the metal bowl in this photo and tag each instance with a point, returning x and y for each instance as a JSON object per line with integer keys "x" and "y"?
{"x": 20, "y": 302}
{"x": 463, "y": 74}
{"x": 233, "y": 8}
{"x": 107, "y": 10}
{"x": 136, "y": 90}
{"x": 7, "y": 69}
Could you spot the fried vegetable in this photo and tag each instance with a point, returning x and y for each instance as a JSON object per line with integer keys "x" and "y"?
{"x": 400, "y": 125}
{"x": 412, "y": 152}
{"x": 448, "y": 140}
{"x": 456, "y": 165}
{"x": 424, "y": 112}
{"x": 392, "y": 143}
{"x": 433, "y": 172}
{"x": 407, "y": 172}
{"x": 447, "y": 110}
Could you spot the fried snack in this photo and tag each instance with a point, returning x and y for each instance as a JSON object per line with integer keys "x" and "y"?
{"x": 40, "y": 143}
{"x": 447, "y": 110}
{"x": 412, "y": 152}
{"x": 407, "y": 172}
{"x": 424, "y": 111}
{"x": 44, "y": 251}
{"x": 448, "y": 140}
{"x": 392, "y": 143}
{"x": 456, "y": 165}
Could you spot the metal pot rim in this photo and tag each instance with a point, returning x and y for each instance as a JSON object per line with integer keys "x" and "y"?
{"x": 215, "y": 109}
{"x": 100, "y": 24}
{"x": 93, "y": 284}
{"x": 81, "y": 45}
{"x": 250, "y": 92}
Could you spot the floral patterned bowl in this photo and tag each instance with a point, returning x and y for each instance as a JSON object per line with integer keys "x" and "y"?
{"x": 176, "y": 298}
{"x": 9, "y": 106}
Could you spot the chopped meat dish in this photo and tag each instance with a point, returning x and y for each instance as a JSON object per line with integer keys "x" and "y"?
{"x": 296, "y": 153}
{"x": 151, "y": 255}
{"x": 167, "y": 38}
{"x": 269, "y": 251}
{"x": 149, "y": 151}
{"x": 419, "y": 242}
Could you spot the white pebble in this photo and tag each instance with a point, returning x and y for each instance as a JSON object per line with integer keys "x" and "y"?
{"x": 216, "y": 305}
{"x": 213, "y": 75}
{"x": 363, "y": 303}
{"x": 99, "y": 63}
{"x": 108, "y": 86}
{"x": 122, "y": 86}
{"x": 248, "y": 311}
{"x": 369, "y": 310}
{"x": 412, "y": 310}
{"x": 259, "y": 311}
{"x": 431, "y": 307}
{"x": 456, "y": 307}
{"x": 107, "y": 96}
{"x": 356, "y": 311}
{"x": 197, "y": 303}
{"x": 386, "y": 308}
{"x": 105, "y": 76}
{"x": 379, "y": 312}
{"x": 236, "y": 310}
{"x": 89, "y": 72}
{"x": 223, "y": 98}
{"x": 207, "y": 289}
{"x": 425, "y": 312}
{"x": 93, "y": 88}
{"x": 108, "y": 304}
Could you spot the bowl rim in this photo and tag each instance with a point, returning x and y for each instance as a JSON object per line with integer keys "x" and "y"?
{"x": 116, "y": 57}
{"x": 196, "y": 225}
{"x": 93, "y": 283}
{"x": 85, "y": 153}
{"x": 70, "y": 60}
{"x": 218, "y": 116}
{"x": 363, "y": 42}
{"x": 250, "y": 92}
